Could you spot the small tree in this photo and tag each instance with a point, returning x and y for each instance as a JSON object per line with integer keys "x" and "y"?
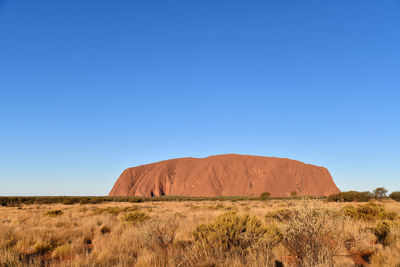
{"x": 380, "y": 192}
{"x": 265, "y": 196}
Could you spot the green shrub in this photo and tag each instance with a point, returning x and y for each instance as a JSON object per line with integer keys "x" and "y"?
{"x": 350, "y": 211}
{"x": 395, "y": 196}
{"x": 41, "y": 247}
{"x": 54, "y": 213}
{"x": 351, "y": 196}
{"x": 235, "y": 234}
{"x": 265, "y": 196}
{"x": 368, "y": 212}
{"x": 382, "y": 232}
{"x": 135, "y": 217}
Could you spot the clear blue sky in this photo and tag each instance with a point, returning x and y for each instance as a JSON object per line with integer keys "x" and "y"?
{"x": 89, "y": 88}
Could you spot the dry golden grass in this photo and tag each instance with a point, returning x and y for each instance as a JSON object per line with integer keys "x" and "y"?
{"x": 161, "y": 234}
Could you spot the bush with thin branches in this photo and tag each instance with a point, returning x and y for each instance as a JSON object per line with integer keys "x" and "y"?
{"x": 312, "y": 236}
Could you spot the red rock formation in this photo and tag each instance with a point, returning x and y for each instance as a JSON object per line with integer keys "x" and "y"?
{"x": 225, "y": 175}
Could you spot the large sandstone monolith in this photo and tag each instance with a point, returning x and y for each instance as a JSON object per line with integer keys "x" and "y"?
{"x": 225, "y": 175}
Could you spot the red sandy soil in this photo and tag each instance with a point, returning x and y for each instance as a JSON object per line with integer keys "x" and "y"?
{"x": 225, "y": 175}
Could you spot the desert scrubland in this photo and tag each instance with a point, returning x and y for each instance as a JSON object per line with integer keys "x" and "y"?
{"x": 292, "y": 232}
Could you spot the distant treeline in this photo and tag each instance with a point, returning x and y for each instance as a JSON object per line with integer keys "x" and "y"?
{"x": 355, "y": 196}
{"x": 68, "y": 200}
{"x": 350, "y": 196}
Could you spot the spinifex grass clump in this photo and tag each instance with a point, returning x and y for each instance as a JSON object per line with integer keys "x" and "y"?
{"x": 231, "y": 235}
{"x": 229, "y": 231}
{"x": 368, "y": 212}
{"x": 388, "y": 234}
{"x": 54, "y": 213}
{"x": 41, "y": 247}
{"x": 62, "y": 252}
{"x": 382, "y": 232}
{"x": 135, "y": 217}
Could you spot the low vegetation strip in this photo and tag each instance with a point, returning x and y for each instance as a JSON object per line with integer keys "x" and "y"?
{"x": 350, "y": 196}
{"x": 67, "y": 200}
{"x": 285, "y": 232}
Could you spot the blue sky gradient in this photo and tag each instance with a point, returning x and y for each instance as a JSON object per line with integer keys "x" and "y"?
{"x": 88, "y": 88}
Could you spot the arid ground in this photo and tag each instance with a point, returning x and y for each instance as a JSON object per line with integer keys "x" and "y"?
{"x": 288, "y": 232}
